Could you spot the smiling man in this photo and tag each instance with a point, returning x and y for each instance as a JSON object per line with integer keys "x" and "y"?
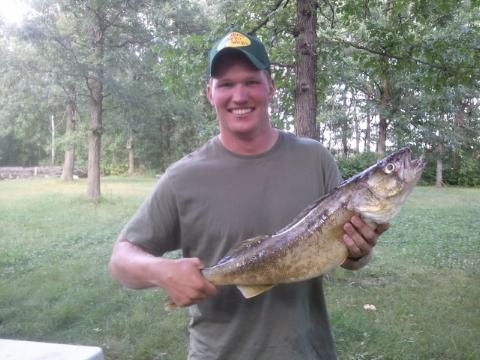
{"x": 250, "y": 180}
{"x": 241, "y": 95}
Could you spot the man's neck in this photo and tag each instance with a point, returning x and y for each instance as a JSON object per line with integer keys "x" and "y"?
{"x": 250, "y": 145}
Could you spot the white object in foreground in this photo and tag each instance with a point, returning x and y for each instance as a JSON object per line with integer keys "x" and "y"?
{"x": 31, "y": 350}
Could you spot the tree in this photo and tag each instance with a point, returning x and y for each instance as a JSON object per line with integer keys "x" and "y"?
{"x": 90, "y": 36}
{"x": 27, "y": 103}
{"x": 305, "y": 69}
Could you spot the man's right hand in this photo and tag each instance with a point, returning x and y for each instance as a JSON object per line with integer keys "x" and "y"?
{"x": 182, "y": 279}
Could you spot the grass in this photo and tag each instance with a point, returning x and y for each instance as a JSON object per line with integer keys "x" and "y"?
{"x": 424, "y": 283}
{"x": 54, "y": 287}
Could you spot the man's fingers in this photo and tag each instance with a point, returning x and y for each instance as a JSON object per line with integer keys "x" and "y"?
{"x": 366, "y": 232}
{"x": 359, "y": 237}
{"x": 353, "y": 249}
{"x": 186, "y": 284}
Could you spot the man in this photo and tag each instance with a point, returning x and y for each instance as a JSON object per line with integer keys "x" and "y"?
{"x": 250, "y": 180}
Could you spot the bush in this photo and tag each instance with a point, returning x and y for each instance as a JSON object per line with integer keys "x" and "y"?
{"x": 352, "y": 165}
{"x": 459, "y": 169}
{"x": 114, "y": 169}
{"x": 469, "y": 172}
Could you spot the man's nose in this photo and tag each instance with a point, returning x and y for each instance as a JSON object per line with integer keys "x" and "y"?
{"x": 240, "y": 94}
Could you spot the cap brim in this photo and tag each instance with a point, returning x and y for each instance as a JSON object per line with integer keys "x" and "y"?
{"x": 254, "y": 60}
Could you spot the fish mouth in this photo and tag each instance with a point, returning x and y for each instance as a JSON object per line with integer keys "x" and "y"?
{"x": 405, "y": 156}
{"x": 412, "y": 168}
{"x": 417, "y": 164}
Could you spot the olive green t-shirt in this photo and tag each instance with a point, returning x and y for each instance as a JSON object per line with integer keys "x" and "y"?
{"x": 211, "y": 200}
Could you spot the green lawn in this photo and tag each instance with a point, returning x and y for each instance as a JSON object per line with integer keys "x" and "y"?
{"x": 55, "y": 245}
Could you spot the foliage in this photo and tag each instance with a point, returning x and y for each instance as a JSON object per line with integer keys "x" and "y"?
{"x": 463, "y": 171}
{"x": 412, "y": 65}
{"x": 469, "y": 172}
{"x": 112, "y": 169}
{"x": 352, "y": 165}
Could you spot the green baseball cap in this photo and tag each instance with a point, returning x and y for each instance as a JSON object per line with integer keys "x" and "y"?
{"x": 250, "y": 46}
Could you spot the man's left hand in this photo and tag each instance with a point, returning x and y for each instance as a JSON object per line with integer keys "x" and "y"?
{"x": 360, "y": 238}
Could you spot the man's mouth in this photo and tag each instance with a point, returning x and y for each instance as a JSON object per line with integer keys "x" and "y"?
{"x": 241, "y": 111}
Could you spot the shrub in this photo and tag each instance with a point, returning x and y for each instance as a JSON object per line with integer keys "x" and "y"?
{"x": 114, "y": 169}
{"x": 469, "y": 172}
{"x": 351, "y": 165}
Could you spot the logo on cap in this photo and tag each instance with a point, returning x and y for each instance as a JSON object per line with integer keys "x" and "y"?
{"x": 233, "y": 40}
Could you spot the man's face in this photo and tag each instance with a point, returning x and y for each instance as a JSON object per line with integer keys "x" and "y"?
{"x": 240, "y": 95}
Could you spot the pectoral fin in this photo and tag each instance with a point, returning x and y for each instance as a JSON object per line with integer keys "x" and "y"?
{"x": 249, "y": 291}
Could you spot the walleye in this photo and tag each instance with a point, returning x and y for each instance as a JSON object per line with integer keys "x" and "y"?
{"x": 311, "y": 244}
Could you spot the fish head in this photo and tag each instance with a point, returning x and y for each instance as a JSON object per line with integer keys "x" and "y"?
{"x": 389, "y": 182}
{"x": 396, "y": 175}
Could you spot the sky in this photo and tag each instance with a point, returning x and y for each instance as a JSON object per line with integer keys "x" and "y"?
{"x": 12, "y": 11}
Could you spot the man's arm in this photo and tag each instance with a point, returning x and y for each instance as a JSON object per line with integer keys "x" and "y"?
{"x": 360, "y": 239}
{"x": 182, "y": 279}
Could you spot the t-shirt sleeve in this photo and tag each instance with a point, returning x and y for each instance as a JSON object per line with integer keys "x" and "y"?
{"x": 155, "y": 225}
{"x": 331, "y": 173}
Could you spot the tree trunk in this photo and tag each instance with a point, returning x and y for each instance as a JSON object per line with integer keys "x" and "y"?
{"x": 368, "y": 131}
{"x": 382, "y": 136}
{"x": 357, "y": 127}
{"x": 70, "y": 126}
{"x": 345, "y": 126}
{"x": 94, "y": 145}
{"x": 52, "y": 147}
{"x": 459, "y": 128}
{"x": 345, "y": 146}
{"x": 95, "y": 87}
{"x": 459, "y": 121}
{"x": 383, "y": 122}
{"x": 131, "y": 158}
{"x": 305, "y": 69}
{"x": 439, "y": 171}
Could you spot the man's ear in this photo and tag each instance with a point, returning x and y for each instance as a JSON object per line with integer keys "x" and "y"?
{"x": 208, "y": 92}
{"x": 271, "y": 90}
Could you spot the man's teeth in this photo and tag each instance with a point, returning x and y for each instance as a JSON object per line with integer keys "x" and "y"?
{"x": 241, "y": 111}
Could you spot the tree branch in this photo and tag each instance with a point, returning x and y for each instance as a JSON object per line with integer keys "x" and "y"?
{"x": 332, "y": 10}
{"x": 389, "y": 55}
{"x": 267, "y": 18}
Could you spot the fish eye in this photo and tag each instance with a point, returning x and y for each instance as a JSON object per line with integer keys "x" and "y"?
{"x": 389, "y": 168}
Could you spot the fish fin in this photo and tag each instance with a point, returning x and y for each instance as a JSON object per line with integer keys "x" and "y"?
{"x": 242, "y": 246}
{"x": 249, "y": 291}
{"x": 304, "y": 212}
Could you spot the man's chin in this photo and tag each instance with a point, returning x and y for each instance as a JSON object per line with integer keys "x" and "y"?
{"x": 243, "y": 128}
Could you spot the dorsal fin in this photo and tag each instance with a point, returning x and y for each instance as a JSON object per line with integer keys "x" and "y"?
{"x": 303, "y": 213}
{"x": 243, "y": 246}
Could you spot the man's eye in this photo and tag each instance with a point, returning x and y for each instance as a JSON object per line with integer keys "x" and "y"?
{"x": 225, "y": 85}
{"x": 252, "y": 82}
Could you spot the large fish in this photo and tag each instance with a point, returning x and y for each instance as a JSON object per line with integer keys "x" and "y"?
{"x": 311, "y": 244}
